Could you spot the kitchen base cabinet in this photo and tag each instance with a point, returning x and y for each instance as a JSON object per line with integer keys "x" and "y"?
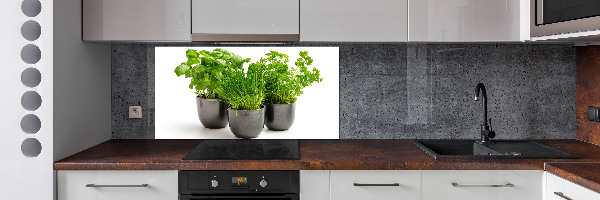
{"x": 561, "y": 189}
{"x": 117, "y": 185}
{"x": 375, "y": 185}
{"x": 314, "y": 184}
{"x": 482, "y": 184}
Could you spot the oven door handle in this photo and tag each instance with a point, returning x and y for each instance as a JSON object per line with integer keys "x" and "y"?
{"x": 251, "y": 197}
{"x": 245, "y": 196}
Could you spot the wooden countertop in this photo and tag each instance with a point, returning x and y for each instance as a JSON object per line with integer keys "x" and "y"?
{"x": 581, "y": 173}
{"x": 314, "y": 155}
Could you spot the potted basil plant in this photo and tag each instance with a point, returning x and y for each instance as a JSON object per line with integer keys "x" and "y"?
{"x": 245, "y": 92}
{"x": 283, "y": 86}
{"x": 204, "y": 68}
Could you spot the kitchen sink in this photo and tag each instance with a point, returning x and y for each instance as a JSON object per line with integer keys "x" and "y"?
{"x": 440, "y": 149}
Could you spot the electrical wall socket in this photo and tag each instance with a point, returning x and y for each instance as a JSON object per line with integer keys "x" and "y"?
{"x": 135, "y": 112}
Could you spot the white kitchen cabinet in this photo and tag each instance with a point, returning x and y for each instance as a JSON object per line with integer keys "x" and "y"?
{"x": 354, "y": 20}
{"x": 136, "y": 20}
{"x": 243, "y": 20}
{"x": 468, "y": 20}
{"x": 117, "y": 185}
{"x": 379, "y": 184}
{"x": 482, "y": 184}
{"x": 314, "y": 184}
{"x": 560, "y": 189}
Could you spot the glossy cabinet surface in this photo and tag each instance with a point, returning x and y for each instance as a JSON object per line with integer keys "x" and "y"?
{"x": 117, "y": 185}
{"x": 482, "y": 184}
{"x": 468, "y": 20}
{"x": 379, "y": 184}
{"x": 354, "y": 20}
{"x": 245, "y": 17}
{"x": 561, "y": 189}
{"x": 314, "y": 184}
{"x": 136, "y": 20}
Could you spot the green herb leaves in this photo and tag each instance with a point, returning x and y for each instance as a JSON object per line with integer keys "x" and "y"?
{"x": 284, "y": 83}
{"x": 220, "y": 74}
{"x": 243, "y": 91}
{"x": 181, "y": 69}
{"x": 205, "y": 69}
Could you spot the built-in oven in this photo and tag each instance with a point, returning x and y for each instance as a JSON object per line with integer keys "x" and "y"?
{"x": 554, "y": 17}
{"x": 234, "y": 185}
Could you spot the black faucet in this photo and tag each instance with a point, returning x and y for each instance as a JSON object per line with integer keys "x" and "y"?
{"x": 486, "y": 129}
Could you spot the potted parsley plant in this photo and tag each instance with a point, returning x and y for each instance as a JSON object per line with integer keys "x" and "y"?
{"x": 205, "y": 70}
{"x": 283, "y": 84}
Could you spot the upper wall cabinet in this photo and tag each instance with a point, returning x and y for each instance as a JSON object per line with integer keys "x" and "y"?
{"x": 244, "y": 20}
{"x": 136, "y": 20}
{"x": 468, "y": 20}
{"x": 354, "y": 20}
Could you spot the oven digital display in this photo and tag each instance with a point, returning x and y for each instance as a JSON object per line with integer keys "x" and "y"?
{"x": 239, "y": 180}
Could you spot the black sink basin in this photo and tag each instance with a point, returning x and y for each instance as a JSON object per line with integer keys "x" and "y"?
{"x": 493, "y": 149}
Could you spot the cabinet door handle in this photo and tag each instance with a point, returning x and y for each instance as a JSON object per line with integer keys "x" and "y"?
{"x": 505, "y": 185}
{"x": 560, "y": 194}
{"x": 94, "y": 185}
{"x": 367, "y": 184}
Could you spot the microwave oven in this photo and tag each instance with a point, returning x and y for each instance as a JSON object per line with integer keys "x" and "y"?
{"x": 569, "y": 18}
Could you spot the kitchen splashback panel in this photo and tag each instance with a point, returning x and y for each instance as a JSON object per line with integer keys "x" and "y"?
{"x": 406, "y": 90}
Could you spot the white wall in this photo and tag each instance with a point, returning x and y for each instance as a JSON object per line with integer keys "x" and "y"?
{"x": 23, "y": 177}
{"x": 82, "y": 84}
{"x": 74, "y": 90}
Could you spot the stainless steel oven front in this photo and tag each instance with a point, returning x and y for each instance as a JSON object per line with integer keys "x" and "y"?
{"x": 554, "y": 17}
{"x": 236, "y": 185}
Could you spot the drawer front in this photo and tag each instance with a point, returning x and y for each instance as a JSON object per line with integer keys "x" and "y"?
{"x": 482, "y": 184}
{"x": 113, "y": 185}
{"x": 380, "y": 185}
{"x": 314, "y": 185}
{"x": 566, "y": 189}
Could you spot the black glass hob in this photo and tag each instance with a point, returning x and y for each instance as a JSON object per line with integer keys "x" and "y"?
{"x": 245, "y": 150}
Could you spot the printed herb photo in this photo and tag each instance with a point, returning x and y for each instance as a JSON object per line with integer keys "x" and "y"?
{"x": 247, "y": 93}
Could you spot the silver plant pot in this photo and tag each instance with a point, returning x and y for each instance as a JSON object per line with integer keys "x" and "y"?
{"x": 246, "y": 123}
{"x": 212, "y": 112}
{"x": 280, "y": 117}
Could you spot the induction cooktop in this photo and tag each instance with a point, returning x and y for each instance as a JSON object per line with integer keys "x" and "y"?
{"x": 245, "y": 150}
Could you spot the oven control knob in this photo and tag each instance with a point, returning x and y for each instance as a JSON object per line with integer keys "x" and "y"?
{"x": 214, "y": 183}
{"x": 263, "y": 183}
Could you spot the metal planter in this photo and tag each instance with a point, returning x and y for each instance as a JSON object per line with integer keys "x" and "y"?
{"x": 280, "y": 117}
{"x": 246, "y": 123}
{"x": 212, "y": 113}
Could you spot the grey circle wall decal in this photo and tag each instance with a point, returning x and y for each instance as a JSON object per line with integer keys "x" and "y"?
{"x": 31, "y": 100}
{"x": 31, "y": 124}
{"x": 31, "y": 77}
{"x": 31, "y": 54}
{"x": 31, "y": 147}
{"x": 31, "y": 30}
{"x": 31, "y": 8}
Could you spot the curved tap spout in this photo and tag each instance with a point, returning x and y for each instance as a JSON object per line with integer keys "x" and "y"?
{"x": 481, "y": 87}
{"x": 486, "y": 133}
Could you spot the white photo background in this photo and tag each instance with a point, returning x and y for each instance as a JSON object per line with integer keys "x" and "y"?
{"x": 317, "y": 109}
